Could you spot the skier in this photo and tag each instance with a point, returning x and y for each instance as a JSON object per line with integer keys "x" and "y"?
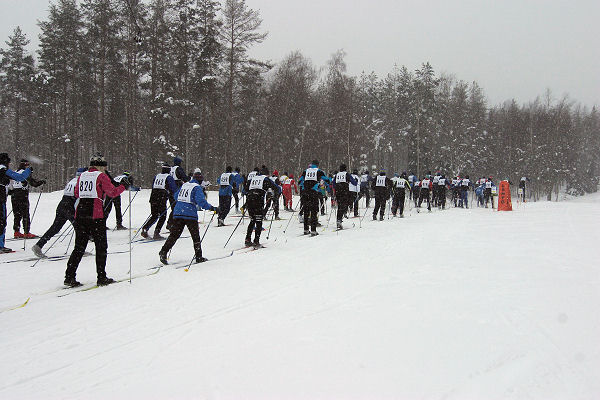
{"x": 256, "y": 189}
{"x": 416, "y": 191}
{"x": 289, "y": 188}
{"x": 92, "y": 186}
{"x": 310, "y": 196}
{"x": 522, "y": 185}
{"x": 163, "y": 188}
{"x": 442, "y": 186}
{"x": 19, "y": 191}
{"x": 424, "y": 192}
{"x": 365, "y": 183}
{"x": 65, "y": 211}
{"x": 465, "y": 184}
{"x": 341, "y": 183}
{"x": 273, "y": 195}
{"x": 354, "y": 193}
{"x": 6, "y": 174}
{"x": 479, "y": 194}
{"x": 455, "y": 187}
{"x": 180, "y": 177}
{"x": 400, "y": 185}
{"x": 116, "y": 201}
{"x": 381, "y": 186}
{"x": 488, "y": 192}
{"x": 190, "y": 197}
{"x": 435, "y": 188}
{"x": 225, "y": 192}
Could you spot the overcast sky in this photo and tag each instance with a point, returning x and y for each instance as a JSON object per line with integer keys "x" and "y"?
{"x": 512, "y": 48}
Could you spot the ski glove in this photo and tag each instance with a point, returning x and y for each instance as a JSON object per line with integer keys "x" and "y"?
{"x": 214, "y": 209}
{"x": 125, "y": 182}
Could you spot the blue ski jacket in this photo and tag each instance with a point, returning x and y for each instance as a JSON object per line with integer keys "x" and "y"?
{"x": 183, "y": 210}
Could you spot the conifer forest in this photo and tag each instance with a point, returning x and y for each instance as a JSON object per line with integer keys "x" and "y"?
{"x": 143, "y": 81}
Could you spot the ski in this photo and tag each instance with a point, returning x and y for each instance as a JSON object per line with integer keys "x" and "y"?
{"x": 126, "y": 279}
{"x": 188, "y": 266}
{"x": 17, "y": 306}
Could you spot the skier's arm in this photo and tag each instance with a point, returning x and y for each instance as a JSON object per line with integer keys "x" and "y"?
{"x": 18, "y": 176}
{"x": 181, "y": 174}
{"x": 351, "y": 179}
{"x": 107, "y": 187}
{"x": 34, "y": 182}
{"x": 201, "y": 200}
{"x": 171, "y": 185}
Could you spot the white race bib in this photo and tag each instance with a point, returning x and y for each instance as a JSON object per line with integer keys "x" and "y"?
{"x": 340, "y": 177}
{"x": 364, "y": 178}
{"x": 173, "y": 173}
{"x": 251, "y": 175}
{"x": 436, "y": 179}
{"x": 88, "y": 185}
{"x": 185, "y": 193}
{"x": 288, "y": 181}
{"x": 311, "y": 174}
{"x": 442, "y": 182}
{"x": 160, "y": 181}
{"x": 257, "y": 182}
{"x": 380, "y": 181}
{"x": 465, "y": 182}
{"x": 425, "y": 183}
{"x": 400, "y": 183}
{"x": 488, "y": 185}
{"x": 70, "y": 188}
{"x": 224, "y": 180}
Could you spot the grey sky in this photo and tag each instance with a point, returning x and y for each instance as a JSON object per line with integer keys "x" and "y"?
{"x": 512, "y": 48}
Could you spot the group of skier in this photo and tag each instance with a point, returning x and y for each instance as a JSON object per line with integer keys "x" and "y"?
{"x": 88, "y": 198}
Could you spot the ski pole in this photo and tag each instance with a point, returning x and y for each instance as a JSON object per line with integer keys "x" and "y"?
{"x": 129, "y": 205}
{"x": 234, "y": 229}
{"x": 363, "y": 217}
{"x": 69, "y": 244}
{"x": 67, "y": 233}
{"x": 128, "y": 208}
{"x": 329, "y": 219}
{"x": 271, "y": 224}
{"x": 32, "y": 216}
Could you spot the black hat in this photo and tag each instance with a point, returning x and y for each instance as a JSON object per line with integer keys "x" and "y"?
{"x": 4, "y": 158}
{"x": 343, "y": 167}
{"x": 264, "y": 170}
{"x": 315, "y": 162}
{"x": 98, "y": 160}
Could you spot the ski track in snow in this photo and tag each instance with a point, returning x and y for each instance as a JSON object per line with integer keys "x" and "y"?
{"x": 454, "y": 304}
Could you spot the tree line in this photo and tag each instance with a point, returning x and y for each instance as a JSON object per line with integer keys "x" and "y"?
{"x": 142, "y": 81}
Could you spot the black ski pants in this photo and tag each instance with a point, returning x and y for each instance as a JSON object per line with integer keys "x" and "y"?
{"x": 236, "y": 197}
{"x": 442, "y": 197}
{"x": 310, "y": 209}
{"x": 274, "y": 200}
{"x": 364, "y": 192}
{"x": 158, "y": 212}
{"x": 116, "y": 201}
{"x": 398, "y": 201}
{"x": 20, "y": 207}
{"x": 64, "y": 212}
{"x": 84, "y": 229}
{"x": 177, "y": 229}
{"x": 380, "y": 201}
{"x": 255, "y": 208}
{"x": 224, "y": 206}
{"x": 424, "y": 194}
{"x": 487, "y": 193}
{"x": 343, "y": 202}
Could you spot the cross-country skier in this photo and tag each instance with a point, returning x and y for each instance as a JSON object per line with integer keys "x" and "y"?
{"x": 189, "y": 199}
{"x": 180, "y": 177}
{"x": 225, "y": 192}
{"x": 65, "y": 211}
{"x": 92, "y": 186}
{"x": 163, "y": 188}
{"x": 400, "y": 186}
{"x": 426, "y": 184}
{"x": 116, "y": 201}
{"x": 522, "y": 185}
{"x": 238, "y": 183}
{"x": 488, "y": 192}
{"x": 365, "y": 183}
{"x": 289, "y": 188}
{"x": 310, "y": 196}
{"x": 381, "y": 186}
{"x": 435, "y": 188}
{"x": 256, "y": 189}
{"x": 442, "y": 186}
{"x": 19, "y": 191}
{"x": 273, "y": 195}
{"x": 354, "y": 192}
{"x": 465, "y": 184}
{"x": 341, "y": 183}
{"x": 6, "y": 174}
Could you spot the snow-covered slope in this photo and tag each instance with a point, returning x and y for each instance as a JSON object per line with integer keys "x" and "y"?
{"x": 455, "y": 304}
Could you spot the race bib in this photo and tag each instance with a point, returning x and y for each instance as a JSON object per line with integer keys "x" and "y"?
{"x": 251, "y": 175}
{"x": 88, "y": 185}
{"x": 425, "y": 184}
{"x": 380, "y": 180}
{"x": 185, "y": 193}
{"x": 494, "y": 190}
{"x": 400, "y": 183}
{"x": 364, "y": 178}
{"x": 288, "y": 181}
{"x": 311, "y": 174}
{"x": 340, "y": 177}
{"x": 520, "y": 191}
{"x": 224, "y": 180}
{"x": 70, "y": 188}
{"x": 160, "y": 181}
{"x": 488, "y": 185}
{"x": 173, "y": 173}
{"x": 442, "y": 182}
{"x": 257, "y": 182}
{"x": 465, "y": 182}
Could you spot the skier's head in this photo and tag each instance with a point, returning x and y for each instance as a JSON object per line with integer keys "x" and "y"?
{"x": 80, "y": 171}
{"x": 165, "y": 168}
{"x": 381, "y": 173}
{"x": 256, "y": 169}
{"x": 98, "y": 160}
{"x": 403, "y": 175}
{"x": 490, "y": 178}
{"x": 438, "y": 173}
{"x": 285, "y": 173}
{"x": 264, "y": 170}
{"x": 275, "y": 173}
{"x": 355, "y": 171}
{"x": 367, "y": 171}
{"x": 237, "y": 169}
{"x": 396, "y": 175}
{"x": 466, "y": 176}
{"x": 4, "y": 159}
{"x": 197, "y": 174}
{"x": 177, "y": 161}
{"x": 23, "y": 163}
{"x": 228, "y": 169}
{"x": 315, "y": 163}
{"x": 291, "y": 176}
{"x": 343, "y": 167}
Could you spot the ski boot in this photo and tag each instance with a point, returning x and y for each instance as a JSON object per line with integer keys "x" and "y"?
{"x": 29, "y": 235}
{"x": 277, "y": 218}
{"x": 4, "y": 250}
{"x": 248, "y": 242}
{"x": 163, "y": 258}
{"x": 37, "y": 250}
{"x": 220, "y": 222}
{"x": 103, "y": 281}
{"x": 339, "y": 225}
{"x": 306, "y": 232}
{"x": 71, "y": 282}
{"x": 157, "y": 236}
{"x": 381, "y": 217}
{"x": 314, "y": 233}
{"x": 374, "y": 217}
{"x": 144, "y": 234}
{"x": 120, "y": 228}
{"x": 18, "y": 235}
{"x": 201, "y": 260}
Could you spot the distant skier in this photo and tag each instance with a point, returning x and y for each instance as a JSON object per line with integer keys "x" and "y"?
{"x": 522, "y": 187}
{"x": 189, "y": 198}
{"x": 163, "y": 188}
{"x": 465, "y": 185}
{"x": 400, "y": 186}
{"x": 116, "y": 201}
{"x": 341, "y": 183}
{"x": 256, "y": 189}
{"x": 92, "y": 186}
{"x": 442, "y": 186}
{"x": 19, "y": 191}
{"x": 65, "y": 211}
{"x": 237, "y": 184}
{"x": 273, "y": 195}
{"x": 488, "y": 192}
{"x": 365, "y": 184}
{"x": 426, "y": 185}
{"x": 381, "y": 186}
{"x": 225, "y": 183}
{"x": 354, "y": 192}
{"x": 289, "y": 189}
{"x": 310, "y": 196}
{"x": 6, "y": 174}
{"x": 180, "y": 177}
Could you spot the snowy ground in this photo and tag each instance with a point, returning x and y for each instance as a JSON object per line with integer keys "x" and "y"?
{"x": 459, "y": 304}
